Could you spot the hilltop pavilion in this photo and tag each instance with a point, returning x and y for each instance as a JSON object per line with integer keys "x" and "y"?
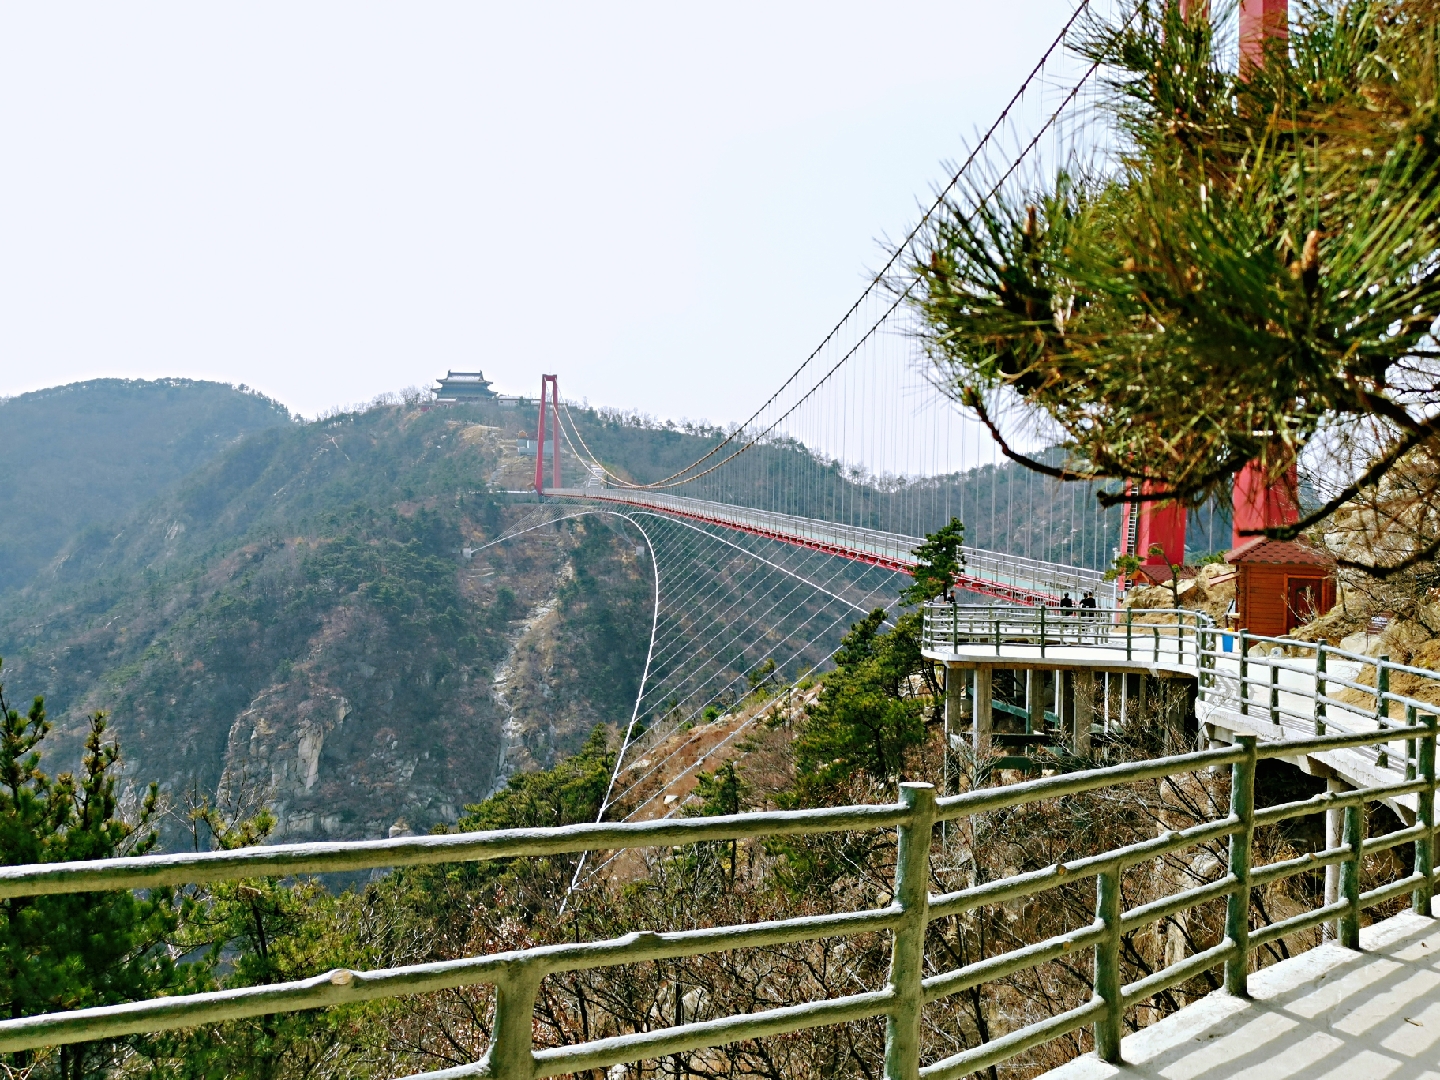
{"x": 462, "y": 386}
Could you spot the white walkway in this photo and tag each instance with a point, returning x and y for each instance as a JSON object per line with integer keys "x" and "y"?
{"x": 1328, "y": 1014}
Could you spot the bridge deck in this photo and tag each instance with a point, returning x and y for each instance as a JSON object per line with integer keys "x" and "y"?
{"x": 995, "y": 574}
{"x": 1327, "y": 1013}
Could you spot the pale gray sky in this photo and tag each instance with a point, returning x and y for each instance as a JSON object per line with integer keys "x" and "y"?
{"x": 667, "y": 204}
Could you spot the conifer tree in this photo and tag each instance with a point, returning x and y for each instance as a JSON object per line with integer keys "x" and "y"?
{"x": 1253, "y": 275}
{"x": 83, "y": 949}
{"x": 939, "y": 562}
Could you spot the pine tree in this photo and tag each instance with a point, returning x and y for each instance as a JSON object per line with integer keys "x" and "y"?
{"x": 85, "y": 949}
{"x": 939, "y": 562}
{"x": 1253, "y": 276}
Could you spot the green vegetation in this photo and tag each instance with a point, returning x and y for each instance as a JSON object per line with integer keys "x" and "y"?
{"x": 1257, "y": 281}
{"x": 78, "y": 459}
{"x": 870, "y": 714}
{"x": 70, "y": 952}
{"x": 309, "y": 587}
{"x": 939, "y": 565}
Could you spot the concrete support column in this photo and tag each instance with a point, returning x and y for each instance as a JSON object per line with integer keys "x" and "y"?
{"x": 954, "y": 702}
{"x": 1084, "y": 713}
{"x": 1034, "y": 701}
{"x": 1141, "y": 695}
{"x": 981, "y": 710}
{"x": 1065, "y": 701}
{"x": 1334, "y": 830}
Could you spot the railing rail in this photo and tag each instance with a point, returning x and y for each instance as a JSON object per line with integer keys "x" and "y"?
{"x": 1170, "y": 639}
{"x": 517, "y": 975}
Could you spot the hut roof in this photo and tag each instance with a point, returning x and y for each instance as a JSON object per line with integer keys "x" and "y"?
{"x": 1261, "y": 549}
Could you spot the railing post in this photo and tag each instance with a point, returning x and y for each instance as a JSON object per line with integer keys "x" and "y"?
{"x": 1237, "y": 910}
{"x": 511, "y": 1056}
{"x": 1156, "y": 632}
{"x": 1107, "y": 966}
{"x": 1275, "y": 694}
{"x": 1410, "y": 744}
{"x": 1212, "y": 658}
{"x": 1320, "y": 689}
{"x": 1244, "y": 674}
{"x": 997, "y": 637}
{"x": 1129, "y": 632}
{"x": 1200, "y": 651}
{"x": 907, "y": 953}
{"x": 1042, "y": 631}
{"x": 1382, "y": 707}
{"x": 1353, "y": 838}
{"x": 1425, "y": 846}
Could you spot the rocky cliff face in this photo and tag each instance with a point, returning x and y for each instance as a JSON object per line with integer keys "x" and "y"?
{"x": 347, "y": 746}
{"x": 335, "y": 749}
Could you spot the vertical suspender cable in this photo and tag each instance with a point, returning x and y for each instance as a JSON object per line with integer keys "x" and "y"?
{"x": 634, "y": 713}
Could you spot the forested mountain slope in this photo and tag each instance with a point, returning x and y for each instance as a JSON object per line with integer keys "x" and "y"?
{"x": 297, "y": 624}
{"x": 311, "y": 619}
{"x": 84, "y": 456}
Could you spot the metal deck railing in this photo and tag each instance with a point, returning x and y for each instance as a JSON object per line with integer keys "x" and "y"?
{"x": 1157, "y": 635}
{"x": 1291, "y": 684}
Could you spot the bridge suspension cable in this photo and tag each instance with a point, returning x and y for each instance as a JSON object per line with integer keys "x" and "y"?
{"x": 878, "y": 280}
{"x": 725, "y": 606}
{"x": 859, "y": 434}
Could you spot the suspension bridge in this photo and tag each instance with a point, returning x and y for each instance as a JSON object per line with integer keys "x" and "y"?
{"x": 762, "y": 546}
{"x": 863, "y": 449}
{"x": 768, "y": 538}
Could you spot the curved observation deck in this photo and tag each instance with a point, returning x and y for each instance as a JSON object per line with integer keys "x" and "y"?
{"x": 1279, "y": 690}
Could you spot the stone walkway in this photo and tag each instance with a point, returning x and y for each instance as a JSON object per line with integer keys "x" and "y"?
{"x": 1328, "y": 1014}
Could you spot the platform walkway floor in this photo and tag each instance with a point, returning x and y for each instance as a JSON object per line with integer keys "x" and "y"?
{"x": 1327, "y": 1014}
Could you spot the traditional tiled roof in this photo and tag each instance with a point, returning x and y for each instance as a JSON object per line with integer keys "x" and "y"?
{"x": 1260, "y": 549}
{"x": 464, "y": 384}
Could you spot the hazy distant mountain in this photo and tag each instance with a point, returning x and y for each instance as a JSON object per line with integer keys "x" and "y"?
{"x": 84, "y": 456}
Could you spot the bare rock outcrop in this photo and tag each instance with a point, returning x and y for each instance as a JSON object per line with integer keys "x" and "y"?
{"x": 332, "y": 750}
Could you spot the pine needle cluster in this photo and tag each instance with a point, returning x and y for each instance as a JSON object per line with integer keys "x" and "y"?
{"x": 1253, "y": 276}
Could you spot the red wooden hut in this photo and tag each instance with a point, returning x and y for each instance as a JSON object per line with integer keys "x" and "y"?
{"x": 1280, "y": 584}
